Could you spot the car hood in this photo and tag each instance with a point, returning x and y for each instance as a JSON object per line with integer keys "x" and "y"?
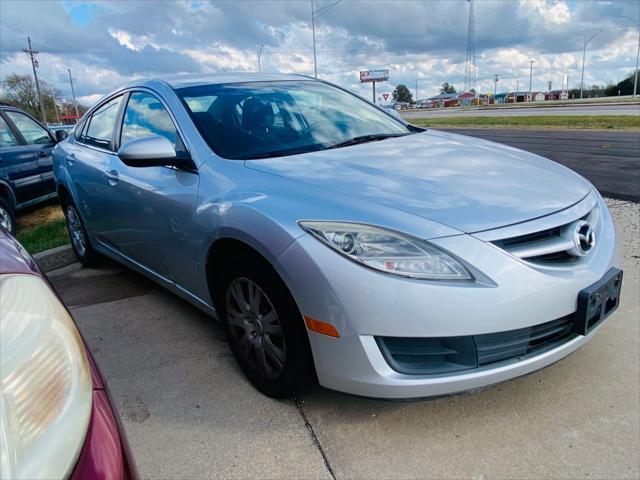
{"x": 459, "y": 181}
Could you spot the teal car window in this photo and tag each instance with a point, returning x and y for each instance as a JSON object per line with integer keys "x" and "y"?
{"x": 31, "y": 130}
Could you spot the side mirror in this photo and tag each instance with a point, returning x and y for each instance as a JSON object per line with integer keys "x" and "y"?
{"x": 153, "y": 151}
{"x": 61, "y": 135}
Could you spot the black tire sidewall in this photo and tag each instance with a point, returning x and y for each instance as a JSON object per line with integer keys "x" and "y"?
{"x": 6, "y": 206}
{"x": 298, "y": 374}
{"x": 90, "y": 257}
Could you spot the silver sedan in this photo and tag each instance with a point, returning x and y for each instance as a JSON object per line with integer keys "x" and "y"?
{"x": 336, "y": 242}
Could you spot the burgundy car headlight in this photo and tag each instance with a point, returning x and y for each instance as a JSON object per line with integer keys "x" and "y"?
{"x": 45, "y": 401}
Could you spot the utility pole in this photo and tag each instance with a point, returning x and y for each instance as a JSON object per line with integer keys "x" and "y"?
{"x": 550, "y": 85}
{"x": 259, "y": 55}
{"x": 495, "y": 86}
{"x": 531, "y": 62}
{"x": 416, "y": 89}
{"x": 31, "y": 53}
{"x": 584, "y": 52}
{"x": 515, "y": 99}
{"x": 73, "y": 94}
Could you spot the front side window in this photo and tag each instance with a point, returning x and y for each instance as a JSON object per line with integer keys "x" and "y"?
{"x": 7, "y": 138}
{"x": 31, "y": 130}
{"x": 99, "y": 133}
{"x": 263, "y": 119}
{"x": 146, "y": 116}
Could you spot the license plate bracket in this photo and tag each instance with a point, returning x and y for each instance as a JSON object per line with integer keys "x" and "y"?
{"x": 598, "y": 301}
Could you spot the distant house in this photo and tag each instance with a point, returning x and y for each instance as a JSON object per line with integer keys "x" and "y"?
{"x": 537, "y": 96}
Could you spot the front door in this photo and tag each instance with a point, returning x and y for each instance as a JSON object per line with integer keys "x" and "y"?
{"x": 25, "y": 161}
{"x": 154, "y": 205}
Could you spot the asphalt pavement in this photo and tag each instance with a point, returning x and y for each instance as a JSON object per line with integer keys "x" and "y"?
{"x": 609, "y": 159}
{"x": 189, "y": 412}
{"x": 588, "y": 109}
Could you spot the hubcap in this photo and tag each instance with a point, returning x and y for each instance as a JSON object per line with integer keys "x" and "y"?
{"x": 75, "y": 229}
{"x": 5, "y": 219}
{"x": 256, "y": 328}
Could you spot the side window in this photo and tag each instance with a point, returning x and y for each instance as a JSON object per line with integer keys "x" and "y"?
{"x": 7, "y": 138}
{"x": 100, "y": 130}
{"x": 31, "y": 130}
{"x": 146, "y": 116}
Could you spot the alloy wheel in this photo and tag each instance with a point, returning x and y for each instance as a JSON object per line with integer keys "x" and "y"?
{"x": 255, "y": 327}
{"x": 76, "y": 231}
{"x": 5, "y": 219}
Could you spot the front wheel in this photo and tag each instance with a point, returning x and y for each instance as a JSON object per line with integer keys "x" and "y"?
{"x": 78, "y": 235}
{"x": 265, "y": 329}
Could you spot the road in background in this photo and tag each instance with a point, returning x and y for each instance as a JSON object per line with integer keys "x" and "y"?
{"x": 608, "y": 159}
{"x": 523, "y": 111}
{"x": 190, "y": 413}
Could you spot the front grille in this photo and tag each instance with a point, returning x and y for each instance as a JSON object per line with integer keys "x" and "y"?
{"x": 437, "y": 355}
{"x": 550, "y": 246}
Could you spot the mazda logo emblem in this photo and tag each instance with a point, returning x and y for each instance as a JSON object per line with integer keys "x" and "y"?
{"x": 584, "y": 239}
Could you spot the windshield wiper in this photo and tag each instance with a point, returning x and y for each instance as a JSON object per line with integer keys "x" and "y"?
{"x": 367, "y": 138}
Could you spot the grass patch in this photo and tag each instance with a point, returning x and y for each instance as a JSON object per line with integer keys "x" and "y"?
{"x": 581, "y": 122}
{"x": 44, "y": 237}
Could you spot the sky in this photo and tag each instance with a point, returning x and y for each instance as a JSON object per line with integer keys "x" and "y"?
{"x": 108, "y": 43}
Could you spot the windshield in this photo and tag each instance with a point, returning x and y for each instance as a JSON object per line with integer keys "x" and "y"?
{"x": 264, "y": 119}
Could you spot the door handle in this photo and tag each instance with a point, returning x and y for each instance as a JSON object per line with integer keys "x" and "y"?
{"x": 70, "y": 158}
{"x": 42, "y": 154}
{"x": 112, "y": 177}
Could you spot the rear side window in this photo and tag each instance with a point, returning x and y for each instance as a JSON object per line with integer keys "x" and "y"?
{"x": 145, "y": 117}
{"x": 99, "y": 133}
{"x": 7, "y": 138}
{"x": 31, "y": 130}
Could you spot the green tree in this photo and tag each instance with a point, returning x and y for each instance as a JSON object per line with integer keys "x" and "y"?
{"x": 625, "y": 87}
{"x": 447, "y": 88}
{"x": 402, "y": 94}
{"x": 20, "y": 91}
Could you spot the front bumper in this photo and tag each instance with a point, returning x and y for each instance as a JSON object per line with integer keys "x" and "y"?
{"x": 363, "y": 304}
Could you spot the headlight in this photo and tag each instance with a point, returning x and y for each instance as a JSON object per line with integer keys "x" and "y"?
{"x": 388, "y": 251}
{"x": 46, "y": 382}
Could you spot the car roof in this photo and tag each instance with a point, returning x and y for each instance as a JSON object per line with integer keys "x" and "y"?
{"x": 181, "y": 81}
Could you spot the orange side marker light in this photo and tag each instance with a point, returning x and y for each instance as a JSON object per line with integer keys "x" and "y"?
{"x": 321, "y": 327}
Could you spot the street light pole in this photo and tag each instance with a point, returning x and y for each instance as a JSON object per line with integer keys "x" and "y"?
{"x": 584, "y": 53}
{"x": 531, "y": 62}
{"x": 259, "y": 55}
{"x": 313, "y": 29}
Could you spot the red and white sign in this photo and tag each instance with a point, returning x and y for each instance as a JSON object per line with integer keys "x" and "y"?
{"x": 385, "y": 96}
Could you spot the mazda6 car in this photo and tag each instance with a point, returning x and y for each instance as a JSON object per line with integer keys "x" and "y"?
{"x": 57, "y": 420}
{"x": 335, "y": 241}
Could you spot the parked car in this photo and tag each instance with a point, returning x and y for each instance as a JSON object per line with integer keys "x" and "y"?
{"x": 333, "y": 239}
{"x": 26, "y": 172}
{"x": 57, "y": 419}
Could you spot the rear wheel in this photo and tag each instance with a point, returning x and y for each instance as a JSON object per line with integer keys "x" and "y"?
{"x": 7, "y": 217}
{"x": 264, "y": 328}
{"x": 78, "y": 235}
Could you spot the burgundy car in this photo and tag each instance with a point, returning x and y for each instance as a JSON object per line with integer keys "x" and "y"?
{"x": 56, "y": 419}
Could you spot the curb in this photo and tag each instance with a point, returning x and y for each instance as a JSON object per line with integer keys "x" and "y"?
{"x": 55, "y": 258}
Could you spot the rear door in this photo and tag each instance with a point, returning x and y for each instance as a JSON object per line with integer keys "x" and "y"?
{"x": 87, "y": 158}
{"x": 154, "y": 206}
{"x": 37, "y": 177}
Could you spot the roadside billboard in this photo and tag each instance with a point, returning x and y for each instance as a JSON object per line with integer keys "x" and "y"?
{"x": 374, "y": 76}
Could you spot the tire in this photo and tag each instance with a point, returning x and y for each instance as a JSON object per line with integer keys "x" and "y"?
{"x": 272, "y": 324}
{"x": 80, "y": 242}
{"x": 7, "y": 216}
